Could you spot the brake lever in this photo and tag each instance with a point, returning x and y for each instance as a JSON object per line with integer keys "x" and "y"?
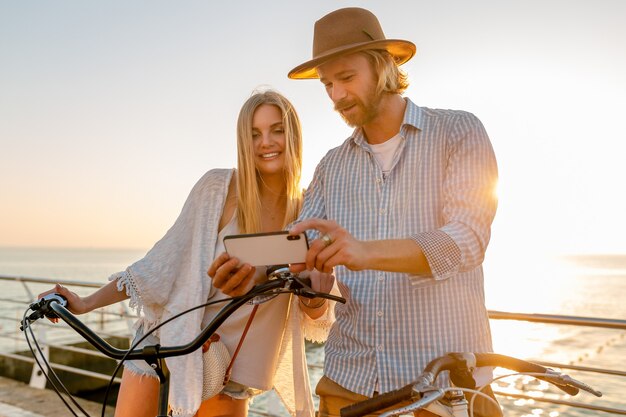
{"x": 309, "y": 293}
{"x": 300, "y": 285}
{"x": 579, "y": 384}
{"x": 42, "y": 308}
{"x": 566, "y": 382}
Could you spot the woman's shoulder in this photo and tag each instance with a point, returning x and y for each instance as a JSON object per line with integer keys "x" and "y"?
{"x": 216, "y": 176}
{"x": 214, "y": 180}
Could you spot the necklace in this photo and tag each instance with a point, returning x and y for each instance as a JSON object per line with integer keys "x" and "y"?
{"x": 272, "y": 209}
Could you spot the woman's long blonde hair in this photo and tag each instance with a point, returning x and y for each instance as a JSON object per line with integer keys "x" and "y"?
{"x": 248, "y": 179}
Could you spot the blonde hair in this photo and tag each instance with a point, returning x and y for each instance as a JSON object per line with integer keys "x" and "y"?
{"x": 391, "y": 79}
{"x": 248, "y": 179}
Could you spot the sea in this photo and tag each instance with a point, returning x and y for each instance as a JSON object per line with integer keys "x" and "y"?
{"x": 583, "y": 285}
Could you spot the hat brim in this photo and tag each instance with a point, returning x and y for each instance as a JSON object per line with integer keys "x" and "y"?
{"x": 401, "y": 51}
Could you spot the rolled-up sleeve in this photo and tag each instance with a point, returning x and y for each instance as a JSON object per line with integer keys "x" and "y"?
{"x": 469, "y": 201}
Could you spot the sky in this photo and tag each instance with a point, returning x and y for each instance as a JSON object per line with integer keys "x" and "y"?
{"x": 111, "y": 111}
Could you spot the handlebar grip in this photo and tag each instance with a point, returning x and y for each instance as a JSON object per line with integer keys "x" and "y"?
{"x": 379, "y": 402}
{"x": 46, "y": 301}
{"x": 42, "y": 307}
{"x": 568, "y": 389}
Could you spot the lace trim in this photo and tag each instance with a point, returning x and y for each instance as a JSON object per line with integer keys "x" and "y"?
{"x": 125, "y": 280}
{"x": 317, "y": 330}
{"x": 179, "y": 411}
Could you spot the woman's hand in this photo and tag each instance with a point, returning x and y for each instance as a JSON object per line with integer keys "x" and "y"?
{"x": 75, "y": 303}
{"x": 229, "y": 278}
{"x": 320, "y": 282}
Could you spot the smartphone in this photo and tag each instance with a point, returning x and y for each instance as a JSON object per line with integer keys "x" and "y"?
{"x": 264, "y": 249}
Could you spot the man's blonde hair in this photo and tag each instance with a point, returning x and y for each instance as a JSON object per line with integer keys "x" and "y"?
{"x": 248, "y": 179}
{"x": 391, "y": 79}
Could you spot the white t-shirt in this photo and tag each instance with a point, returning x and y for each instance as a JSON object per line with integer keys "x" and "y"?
{"x": 384, "y": 152}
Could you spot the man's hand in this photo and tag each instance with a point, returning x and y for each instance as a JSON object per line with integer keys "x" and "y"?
{"x": 229, "y": 278}
{"x": 334, "y": 247}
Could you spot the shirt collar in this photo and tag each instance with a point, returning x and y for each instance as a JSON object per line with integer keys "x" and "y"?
{"x": 413, "y": 116}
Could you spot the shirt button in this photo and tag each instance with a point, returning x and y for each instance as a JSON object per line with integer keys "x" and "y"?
{"x": 379, "y": 348}
{"x": 382, "y": 211}
{"x": 381, "y": 278}
{"x": 379, "y": 313}
{"x": 378, "y": 180}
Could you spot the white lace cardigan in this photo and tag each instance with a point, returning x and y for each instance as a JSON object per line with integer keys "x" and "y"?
{"x": 172, "y": 277}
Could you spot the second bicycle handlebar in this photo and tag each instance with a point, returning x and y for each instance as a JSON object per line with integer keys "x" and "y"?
{"x": 454, "y": 361}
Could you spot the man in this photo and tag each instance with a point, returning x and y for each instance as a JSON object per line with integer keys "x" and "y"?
{"x": 404, "y": 208}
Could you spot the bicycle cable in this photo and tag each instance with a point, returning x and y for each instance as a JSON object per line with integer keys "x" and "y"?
{"x": 476, "y": 392}
{"x": 27, "y": 326}
{"x": 27, "y": 322}
{"x": 135, "y": 344}
{"x": 533, "y": 374}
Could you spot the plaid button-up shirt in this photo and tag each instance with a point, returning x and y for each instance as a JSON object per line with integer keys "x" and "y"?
{"x": 440, "y": 192}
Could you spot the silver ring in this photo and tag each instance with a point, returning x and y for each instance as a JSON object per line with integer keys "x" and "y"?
{"x": 327, "y": 240}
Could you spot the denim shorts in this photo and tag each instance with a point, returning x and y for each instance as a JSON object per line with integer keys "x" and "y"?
{"x": 140, "y": 367}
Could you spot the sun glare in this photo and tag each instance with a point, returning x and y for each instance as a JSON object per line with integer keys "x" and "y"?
{"x": 527, "y": 283}
{"x": 496, "y": 190}
{"x": 549, "y": 287}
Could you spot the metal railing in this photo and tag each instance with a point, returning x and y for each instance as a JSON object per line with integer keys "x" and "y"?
{"x": 101, "y": 319}
{"x": 106, "y": 317}
{"x": 613, "y": 324}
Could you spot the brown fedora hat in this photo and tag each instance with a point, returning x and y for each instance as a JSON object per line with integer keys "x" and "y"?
{"x": 346, "y": 31}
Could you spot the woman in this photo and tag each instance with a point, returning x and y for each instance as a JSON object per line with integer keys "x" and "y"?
{"x": 262, "y": 195}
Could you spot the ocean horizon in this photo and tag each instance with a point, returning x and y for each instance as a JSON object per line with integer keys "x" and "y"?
{"x": 584, "y": 285}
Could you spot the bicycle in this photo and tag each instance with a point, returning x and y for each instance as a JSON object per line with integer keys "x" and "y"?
{"x": 280, "y": 281}
{"x": 451, "y": 402}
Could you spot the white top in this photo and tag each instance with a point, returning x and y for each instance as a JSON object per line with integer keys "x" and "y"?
{"x": 258, "y": 357}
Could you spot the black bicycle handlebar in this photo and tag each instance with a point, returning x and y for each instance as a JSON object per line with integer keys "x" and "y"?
{"x": 423, "y": 385}
{"x": 282, "y": 282}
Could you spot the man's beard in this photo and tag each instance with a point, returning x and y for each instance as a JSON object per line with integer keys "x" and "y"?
{"x": 367, "y": 109}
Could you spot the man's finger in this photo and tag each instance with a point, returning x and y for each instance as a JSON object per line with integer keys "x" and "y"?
{"x": 329, "y": 262}
{"x": 318, "y": 224}
{"x": 295, "y": 268}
